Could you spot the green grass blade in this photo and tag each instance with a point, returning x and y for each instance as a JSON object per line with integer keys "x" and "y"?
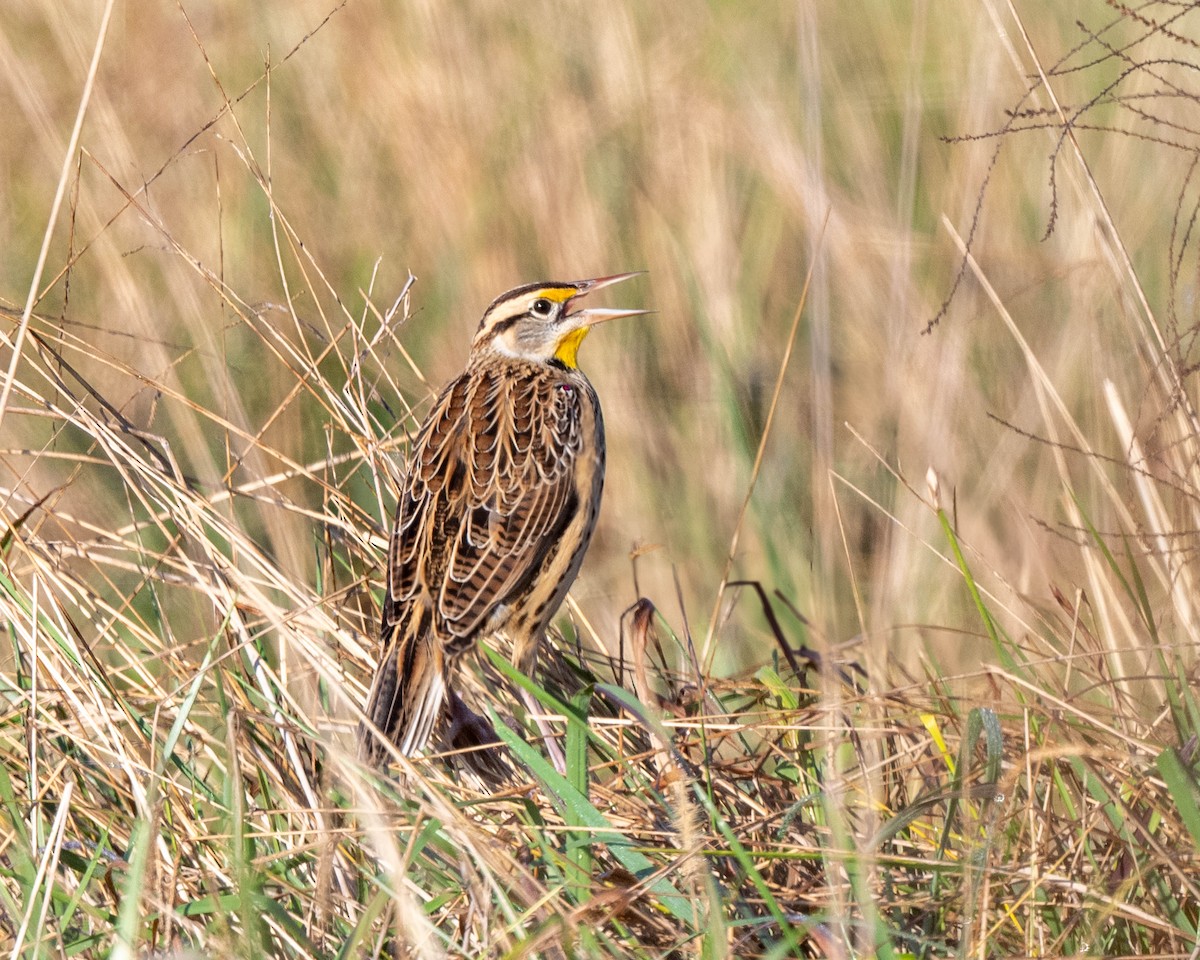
{"x": 1181, "y": 783}
{"x": 578, "y": 842}
{"x": 579, "y": 810}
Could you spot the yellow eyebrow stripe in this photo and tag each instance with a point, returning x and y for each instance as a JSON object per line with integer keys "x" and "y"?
{"x": 557, "y": 294}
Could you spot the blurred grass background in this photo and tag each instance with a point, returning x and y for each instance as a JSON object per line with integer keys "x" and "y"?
{"x": 479, "y": 147}
{"x": 233, "y": 242}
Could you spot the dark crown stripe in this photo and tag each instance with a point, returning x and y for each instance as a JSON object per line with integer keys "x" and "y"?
{"x": 520, "y": 292}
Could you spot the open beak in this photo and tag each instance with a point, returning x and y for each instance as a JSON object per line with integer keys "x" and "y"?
{"x": 586, "y": 318}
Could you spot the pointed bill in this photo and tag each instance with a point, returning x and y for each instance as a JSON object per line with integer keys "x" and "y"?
{"x": 599, "y": 283}
{"x": 588, "y": 318}
{"x": 594, "y": 315}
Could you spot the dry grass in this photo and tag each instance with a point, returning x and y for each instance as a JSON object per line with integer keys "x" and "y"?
{"x": 979, "y": 738}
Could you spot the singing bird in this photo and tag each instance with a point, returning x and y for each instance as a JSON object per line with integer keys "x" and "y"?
{"x": 496, "y": 510}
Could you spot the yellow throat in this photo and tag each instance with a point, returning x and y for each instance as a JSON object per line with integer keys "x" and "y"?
{"x": 568, "y": 347}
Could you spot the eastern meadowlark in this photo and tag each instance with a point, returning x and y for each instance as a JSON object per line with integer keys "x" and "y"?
{"x": 496, "y": 510}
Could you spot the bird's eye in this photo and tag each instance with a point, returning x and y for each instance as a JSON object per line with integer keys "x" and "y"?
{"x": 542, "y": 307}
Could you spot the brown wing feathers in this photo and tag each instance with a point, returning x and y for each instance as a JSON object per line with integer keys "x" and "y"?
{"x": 489, "y": 490}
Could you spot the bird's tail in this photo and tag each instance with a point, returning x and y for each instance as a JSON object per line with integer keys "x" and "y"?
{"x": 409, "y": 689}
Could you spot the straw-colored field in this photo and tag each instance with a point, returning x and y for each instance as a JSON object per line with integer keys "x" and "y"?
{"x": 967, "y": 486}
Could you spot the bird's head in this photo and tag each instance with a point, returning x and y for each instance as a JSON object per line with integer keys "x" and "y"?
{"x": 539, "y": 322}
